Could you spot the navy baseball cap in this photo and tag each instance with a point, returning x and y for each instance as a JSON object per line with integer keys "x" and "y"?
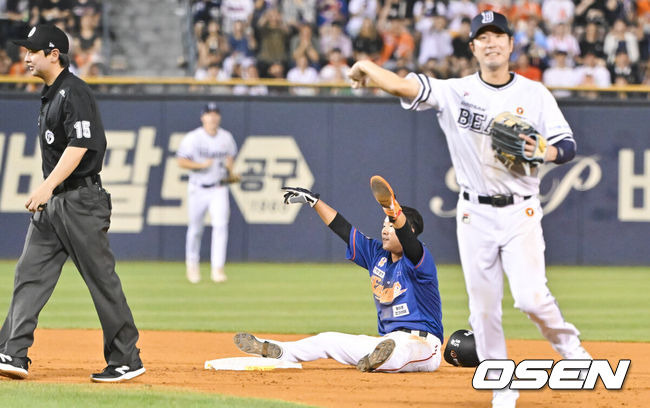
{"x": 210, "y": 107}
{"x": 45, "y": 36}
{"x": 489, "y": 19}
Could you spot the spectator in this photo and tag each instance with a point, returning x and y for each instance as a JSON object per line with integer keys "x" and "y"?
{"x": 643, "y": 39}
{"x": 593, "y": 72}
{"x": 557, "y": 11}
{"x": 88, "y": 45}
{"x": 458, "y": 11}
{"x": 460, "y": 43}
{"x": 613, "y": 11}
{"x": 336, "y": 69}
{"x": 359, "y": 11}
{"x": 330, "y": 11}
{"x": 397, "y": 10}
{"x": 368, "y": 42}
{"x": 241, "y": 40}
{"x": 500, "y": 6}
{"x": 234, "y": 10}
{"x": 523, "y": 68}
{"x": 51, "y": 10}
{"x": 80, "y": 7}
{"x": 305, "y": 44}
{"x": 398, "y": 42}
{"x": 592, "y": 42}
{"x": 296, "y": 13}
{"x": 206, "y": 10}
{"x": 272, "y": 34}
{"x": 563, "y": 40}
{"x": 561, "y": 74}
{"x": 429, "y": 8}
{"x": 332, "y": 36}
{"x": 524, "y": 10}
{"x": 618, "y": 39}
{"x": 252, "y": 74}
{"x": 530, "y": 39}
{"x": 213, "y": 42}
{"x": 589, "y": 11}
{"x": 435, "y": 39}
{"x": 276, "y": 71}
{"x": 304, "y": 74}
{"x": 624, "y": 68}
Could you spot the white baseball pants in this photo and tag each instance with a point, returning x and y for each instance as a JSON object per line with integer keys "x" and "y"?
{"x": 412, "y": 352}
{"x": 509, "y": 240}
{"x": 200, "y": 200}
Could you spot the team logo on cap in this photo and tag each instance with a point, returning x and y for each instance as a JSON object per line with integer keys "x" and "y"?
{"x": 31, "y": 32}
{"x": 488, "y": 17}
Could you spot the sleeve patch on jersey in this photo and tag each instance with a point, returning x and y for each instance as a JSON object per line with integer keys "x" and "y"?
{"x": 400, "y": 310}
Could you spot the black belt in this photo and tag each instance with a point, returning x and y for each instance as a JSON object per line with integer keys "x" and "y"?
{"x": 497, "y": 200}
{"x": 209, "y": 185}
{"x": 420, "y": 333}
{"x": 74, "y": 183}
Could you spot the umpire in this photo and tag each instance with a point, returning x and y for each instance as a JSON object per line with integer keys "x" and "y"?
{"x": 71, "y": 217}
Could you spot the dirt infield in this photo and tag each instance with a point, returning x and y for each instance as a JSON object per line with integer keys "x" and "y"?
{"x": 175, "y": 360}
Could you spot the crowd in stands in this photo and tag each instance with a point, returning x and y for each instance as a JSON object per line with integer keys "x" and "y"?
{"x": 80, "y": 19}
{"x": 559, "y": 42}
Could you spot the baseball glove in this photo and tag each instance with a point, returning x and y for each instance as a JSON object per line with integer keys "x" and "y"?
{"x": 230, "y": 179}
{"x": 298, "y": 195}
{"x": 509, "y": 148}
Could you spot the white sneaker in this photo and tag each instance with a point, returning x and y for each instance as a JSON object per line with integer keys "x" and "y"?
{"x": 579, "y": 353}
{"x": 193, "y": 273}
{"x": 218, "y": 275}
{"x": 505, "y": 398}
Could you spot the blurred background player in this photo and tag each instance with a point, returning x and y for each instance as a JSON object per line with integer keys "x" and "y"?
{"x": 208, "y": 152}
{"x": 498, "y": 214}
{"x": 405, "y": 288}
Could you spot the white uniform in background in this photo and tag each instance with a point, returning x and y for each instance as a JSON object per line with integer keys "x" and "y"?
{"x": 493, "y": 240}
{"x": 205, "y": 192}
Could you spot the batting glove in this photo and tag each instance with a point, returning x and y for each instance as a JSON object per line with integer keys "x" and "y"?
{"x": 299, "y": 195}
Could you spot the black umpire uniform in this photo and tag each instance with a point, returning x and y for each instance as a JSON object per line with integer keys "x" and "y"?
{"x": 74, "y": 223}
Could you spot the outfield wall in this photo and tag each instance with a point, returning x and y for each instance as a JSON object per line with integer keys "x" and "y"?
{"x": 597, "y": 207}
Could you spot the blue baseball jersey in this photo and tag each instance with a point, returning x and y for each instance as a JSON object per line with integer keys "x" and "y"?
{"x": 406, "y": 295}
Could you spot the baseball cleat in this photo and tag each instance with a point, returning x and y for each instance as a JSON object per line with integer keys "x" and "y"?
{"x": 218, "y": 275}
{"x": 193, "y": 273}
{"x": 248, "y": 343}
{"x": 382, "y": 191}
{"x": 379, "y": 356}
{"x": 14, "y": 367}
{"x": 114, "y": 373}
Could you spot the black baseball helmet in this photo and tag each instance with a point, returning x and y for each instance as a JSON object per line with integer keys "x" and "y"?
{"x": 460, "y": 350}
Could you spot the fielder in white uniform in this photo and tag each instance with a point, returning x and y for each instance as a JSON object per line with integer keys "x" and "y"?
{"x": 498, "y": 213}
{"x": 404, "y": 283}
{"x": 208, "y": 152}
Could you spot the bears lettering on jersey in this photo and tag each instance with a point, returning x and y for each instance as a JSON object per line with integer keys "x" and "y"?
{"x": 478, "y": 122}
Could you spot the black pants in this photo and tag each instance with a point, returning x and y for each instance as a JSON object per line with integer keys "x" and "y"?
{"x": 74, "y": 224}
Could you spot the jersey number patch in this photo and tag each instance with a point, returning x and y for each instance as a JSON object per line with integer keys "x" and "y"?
{"x": 83, "y": 129}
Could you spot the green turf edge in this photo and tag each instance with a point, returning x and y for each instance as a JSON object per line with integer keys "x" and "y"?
{"x": 26, "y": 394}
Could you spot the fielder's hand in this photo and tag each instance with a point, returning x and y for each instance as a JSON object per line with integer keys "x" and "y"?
{"x": 299, "y": 195}
{"x": 357, "y": 75}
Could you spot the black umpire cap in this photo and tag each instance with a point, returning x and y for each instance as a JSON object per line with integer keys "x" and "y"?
{"x": 210, "y": 107}
{"x": 45, "y": 36}
{"x": 489, "y": 19}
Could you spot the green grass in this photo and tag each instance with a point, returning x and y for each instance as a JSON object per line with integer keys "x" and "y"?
{"x": 22, "y": 394}
{"x": 605, "y": 303}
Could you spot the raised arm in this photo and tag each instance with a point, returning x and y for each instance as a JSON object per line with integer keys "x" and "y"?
{"x": 364, "y": 72}
{"x": 330, "y": 216}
